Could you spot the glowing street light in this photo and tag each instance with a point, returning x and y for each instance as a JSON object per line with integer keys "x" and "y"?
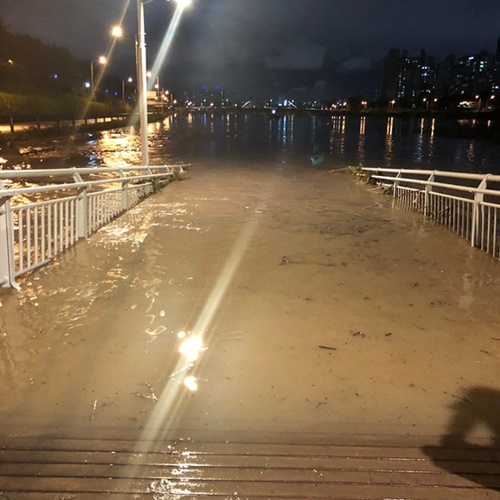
{"x": 129, "y": 80}
{"x": 488, "y": 101}
{"x": 116, "y": 31}
{"x": 478, "y": 97}
{"x": 102, "y": 61}
{"x": 141, "y": 75}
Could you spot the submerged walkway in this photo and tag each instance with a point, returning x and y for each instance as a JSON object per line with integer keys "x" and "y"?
{"x": 259, "y": 333}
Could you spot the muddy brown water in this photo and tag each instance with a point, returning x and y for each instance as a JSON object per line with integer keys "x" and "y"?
{"x": 262, "y": 300}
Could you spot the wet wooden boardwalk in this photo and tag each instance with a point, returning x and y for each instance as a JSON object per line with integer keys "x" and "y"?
{"x": 84, "y": 469}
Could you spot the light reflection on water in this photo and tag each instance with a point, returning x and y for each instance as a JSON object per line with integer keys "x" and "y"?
{"x": 395, "y": 142}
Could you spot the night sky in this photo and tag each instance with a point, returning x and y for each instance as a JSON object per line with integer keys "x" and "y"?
{"x": 257, "y": 48}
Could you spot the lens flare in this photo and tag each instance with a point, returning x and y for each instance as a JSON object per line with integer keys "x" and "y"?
{"x": 191, "y": 384}
{"x": 191, "y": 348}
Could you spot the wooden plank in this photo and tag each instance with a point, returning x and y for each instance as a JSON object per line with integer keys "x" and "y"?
{"x": 256, "y": 449}
{"x": 218, "y": 474}
{"x": 195, "y": 470}
{"x": 245, "y": 461}
{"x": 233, "y": 489}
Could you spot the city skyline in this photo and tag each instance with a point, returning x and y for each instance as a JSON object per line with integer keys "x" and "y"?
{"x": 262, "y": 48}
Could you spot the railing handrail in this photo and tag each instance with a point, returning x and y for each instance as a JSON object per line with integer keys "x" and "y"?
{"x": 473, "y": 217}
{"x": 33, "y": 232}
{"x": 438, "y": 173}
{"x": 76, "y": 173}
{"x": 65, "y": 172}
{"x": 457, "y": 187}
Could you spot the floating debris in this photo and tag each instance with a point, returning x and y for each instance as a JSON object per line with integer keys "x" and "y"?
{"x": 458, "y": 397}
{"x": 327, "y": 347}
{"x": 359, "y": 333}
{"x": 388, "y": 334}
{"x": 151, "y": 394}
{"x": 181, "y": 370}
{"x": 94, "y": 408}
{"x": 375, "y": 204}
{"x": 236, "y": 335}
{"x": 159, "y": 330}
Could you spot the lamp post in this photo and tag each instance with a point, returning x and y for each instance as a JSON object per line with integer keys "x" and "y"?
{"x": 142, "y": 78}
{"x": 102, "y": 60}
{"x": 488, "y": 102}
{"x": 478, "y": 97}
{"x": 129, "y": 80}
{"x": 141, "y": 82}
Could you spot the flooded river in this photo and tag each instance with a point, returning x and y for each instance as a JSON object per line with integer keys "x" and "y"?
{"x": 395, "y": 142}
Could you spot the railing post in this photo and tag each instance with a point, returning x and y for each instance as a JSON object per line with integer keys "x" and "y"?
{"x": 125, "y": 193}
{"x": 81, "y": 214}
{"x": 395, "y": 184}
{"x": 81, "y": 210}
{"x": 478, "y": 201}
{"x": 6, "y": 243}
{"x": 428, "y": 190}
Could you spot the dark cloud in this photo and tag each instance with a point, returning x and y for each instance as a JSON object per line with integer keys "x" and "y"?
{"x": 354, "y": 64}
{"x": 261, "y": 46}
{"x": 301, "y": 54}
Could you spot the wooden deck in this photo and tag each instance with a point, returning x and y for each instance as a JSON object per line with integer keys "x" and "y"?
{"x": 84, "y": 469}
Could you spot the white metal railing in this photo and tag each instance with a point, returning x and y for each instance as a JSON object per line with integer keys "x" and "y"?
{"x": 39, "y": 222}
{"x": 469, "y": 204}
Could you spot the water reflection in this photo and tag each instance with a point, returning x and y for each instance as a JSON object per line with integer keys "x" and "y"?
{"x": 419, "y": 149}
{"x": 361, "y": 141}
{"x": 285, "y": 129}
{"x": 431, "y": 139}
{"x": 470, "y": 152}
{"x": 394, "y": 141}
{"x": 337, "y": 142}
{"x": 389, "y": 142}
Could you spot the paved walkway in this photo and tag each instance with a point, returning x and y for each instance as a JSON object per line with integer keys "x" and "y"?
{"x": 270, "y": 307}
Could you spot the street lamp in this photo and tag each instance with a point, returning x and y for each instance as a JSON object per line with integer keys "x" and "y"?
{"x": 478, "y": 97}
{"x": 129, "y": 80}
{"x": 488, "y": 102}
{"x": 141, "y": 75}
{"x": 116, "y": 31}
{"x": 102, "y": 60}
